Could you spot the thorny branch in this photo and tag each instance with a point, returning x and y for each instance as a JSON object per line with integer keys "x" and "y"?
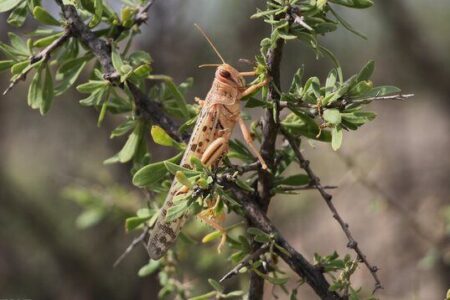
{"x": 245, "y": 262}
{"x": 342, "y": 103}
{"x": 270, "y": 125}
{"x": 133, "y": 244}
{"x": 153, "y": 111}
{"x": 147, "y": 107}
{"x": 304, "y": 164}
{"x": 43, "y": 55}
{"x": 312, "y": 275}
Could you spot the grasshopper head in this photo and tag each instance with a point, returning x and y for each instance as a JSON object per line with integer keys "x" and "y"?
{"x": 230, "y": 76}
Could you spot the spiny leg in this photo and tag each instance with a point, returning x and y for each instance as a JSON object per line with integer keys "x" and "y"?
{"x": 249, "y": 140}
{"x": 213, "y": 153}
{"x": 216, "y": 226}
{"x": 253, "y": 88}
{"x": 248, "y": 74}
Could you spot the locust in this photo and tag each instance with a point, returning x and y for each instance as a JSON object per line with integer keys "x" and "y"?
{"x": 209, "y": 142}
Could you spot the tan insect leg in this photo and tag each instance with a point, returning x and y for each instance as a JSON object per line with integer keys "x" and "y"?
{"x": 246, "y": 74}
{"x": 249, "y": 140}
{"x": 214, "y": 151}
{"x": 251, "y": 89}
{"x": 217, "y": 227}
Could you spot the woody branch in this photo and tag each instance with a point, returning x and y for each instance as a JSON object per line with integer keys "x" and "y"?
{"x": 152, "y": 111}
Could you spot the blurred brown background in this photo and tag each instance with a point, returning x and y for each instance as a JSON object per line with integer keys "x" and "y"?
{"x": 393, "y": 174}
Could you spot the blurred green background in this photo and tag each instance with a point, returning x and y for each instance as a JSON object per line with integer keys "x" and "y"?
{"x": 393, "y": 174}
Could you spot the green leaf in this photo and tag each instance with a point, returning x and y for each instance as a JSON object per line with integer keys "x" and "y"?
{"x": 123, "y": 128}
{"x": 336, "y": 137}
{"x": 96, "y": 19}
{"x": 128, "y": 150}
{"x": 366, "y": 71}
{"x": 6, "y": 5}
{"x": 347, "y": 25}
{"x": 263, "y": 13}
{"x": 299, "y": 123}
{"x": 382, "y": 91}
{"x": 18, "y": 44}
{"x": 45, "y": 41}
{"x": 142, "y": 71}
{"x": 358, "y": 118}
{"x": 240, "y": 151}
{"x": 127, "y": 15}
{"x": 18, "y": 16}
{"x": 47, "y": 92}
{"x": 363, "y": 87}
{"x": 332, "y": 116}
{"x": 207, "y": 296}
{"x": 182, "y": 178}
{"x": 211, "y": 236}
{"x": 256, "y": 231}
{"x": 116, "y": 60}
{"x": 92, "y": 86}
{"x": 244, "y": 185}
{"x": 216, "y": 285}
{"x": 68, "y": 73}
{"x": 35, "y": 90}
{"x": 153, "y": 173}
{"x": 134, "y": 222}
{"x": 19, "y": 67}
{"x": 354, "y": 3}
{"x": 174, "y": 168}
{"x": 331, "y": 82}
{"x": 89, "y": 218}
{"x": 95, "y": 98}
{"x": 44, "y": 16}
{"x": 149, "y": 268}
{"x": 160, "y": 137}
{"x": 139, "y": 58}
{"x": 252, "y": 102}
{"x": 298, "y": 179}
{"x": 176, "y": 93}
{"x": 5, "y": 64}
{"x": 233, "y": 294}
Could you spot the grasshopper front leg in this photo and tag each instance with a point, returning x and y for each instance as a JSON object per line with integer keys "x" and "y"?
{"x": 248, "y": 139}
{"x": 253, "y": 88}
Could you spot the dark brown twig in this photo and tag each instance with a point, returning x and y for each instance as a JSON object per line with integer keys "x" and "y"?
{"x": 270, "y": 124}
{"x": 343, "y": 102}
{"x": 352, "y": 244}
{"x": 312, "y": 275}
{"x": 305, "y": 188}
{"x": 43, "y": 55}
{"x": 245, "y": 262}
{"x": 133, "y": 244}
{"x": 150, "y": 109}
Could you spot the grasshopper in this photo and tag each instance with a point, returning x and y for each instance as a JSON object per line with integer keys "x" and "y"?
{"x": 209, "y": 142}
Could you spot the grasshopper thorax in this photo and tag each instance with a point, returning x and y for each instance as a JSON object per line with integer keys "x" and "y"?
{"x": 230, "y": 76}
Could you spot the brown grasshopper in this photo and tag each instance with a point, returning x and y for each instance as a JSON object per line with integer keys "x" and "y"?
{"x": 209, "y": 142}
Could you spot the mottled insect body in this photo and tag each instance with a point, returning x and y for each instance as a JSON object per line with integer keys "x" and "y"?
{"x": 209, "y": 142}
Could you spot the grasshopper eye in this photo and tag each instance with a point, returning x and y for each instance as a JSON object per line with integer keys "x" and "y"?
{"x": 225, "y": 74}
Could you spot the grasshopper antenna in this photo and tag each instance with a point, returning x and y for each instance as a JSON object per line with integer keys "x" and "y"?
{"x": 211, "y": 43}
{"x": 209, "y": 65}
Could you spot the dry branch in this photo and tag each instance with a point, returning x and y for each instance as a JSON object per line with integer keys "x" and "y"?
{"x": 352, "y": 244}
